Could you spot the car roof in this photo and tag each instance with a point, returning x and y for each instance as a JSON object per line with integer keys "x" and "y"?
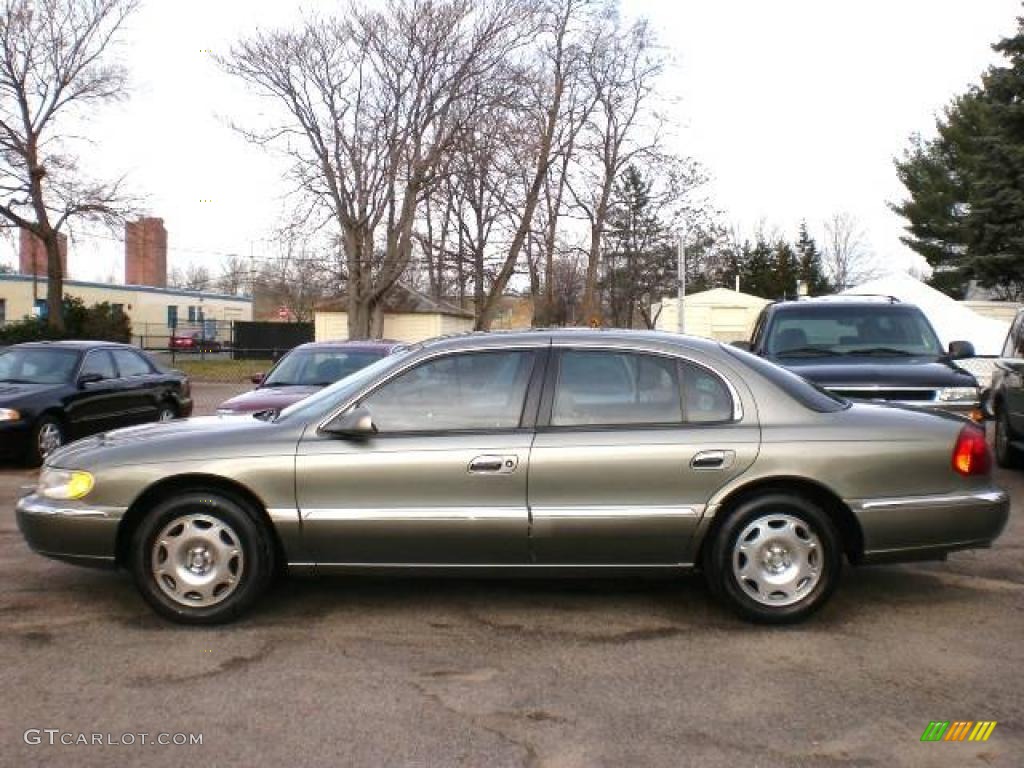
{"x": 568, "y": 336}
{"x": 76, "y": 344}
{"x": 823, "y": 302}
{"x": 369, "y": 345}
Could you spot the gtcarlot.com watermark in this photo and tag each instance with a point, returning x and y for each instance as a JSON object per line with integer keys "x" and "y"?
{"x": 56, "y": 736}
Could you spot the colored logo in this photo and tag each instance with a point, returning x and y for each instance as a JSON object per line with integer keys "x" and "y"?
{"x": 959, "y": 730}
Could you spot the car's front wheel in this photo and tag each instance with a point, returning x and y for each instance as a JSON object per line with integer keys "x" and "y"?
{"x": 776, "y": 558}
{"x": 1008, "y": 455}
{"x": 201, "y": 558}
{"x": 47, "y": 436}
{"x": 167, "y": 412}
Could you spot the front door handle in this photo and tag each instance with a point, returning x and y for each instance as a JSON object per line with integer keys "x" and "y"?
{"x": 493, "y": 465}
{"x": 713, "y": 460}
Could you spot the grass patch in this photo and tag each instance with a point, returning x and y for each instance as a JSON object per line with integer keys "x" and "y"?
{"x": 219, "y": 370}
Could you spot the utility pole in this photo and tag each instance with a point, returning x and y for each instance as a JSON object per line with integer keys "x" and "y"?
{"x": 681, "y": 273}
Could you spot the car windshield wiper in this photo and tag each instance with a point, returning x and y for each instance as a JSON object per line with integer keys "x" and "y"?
{"x": 269, "y": 384}
{"x": 16, "y": 381}
{"x": 809, "y": 351}
{"x": 882, "y": 351}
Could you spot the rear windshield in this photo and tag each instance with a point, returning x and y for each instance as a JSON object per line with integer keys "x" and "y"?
{"x": 807, "y": 394}
{"x": 834, "y": 329}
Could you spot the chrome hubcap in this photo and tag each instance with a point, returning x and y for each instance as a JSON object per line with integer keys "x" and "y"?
{"x": 197, "y": 560}
{"x": 49, "y": 439}
{"x": 166, "y": 414}
{"x": 777, "y": 559}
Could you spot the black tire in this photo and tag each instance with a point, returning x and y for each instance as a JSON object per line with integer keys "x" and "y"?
{"x": 805, "y": 543}
{"x": 1008, "y": 455}
{"x": 45, "y": 428}
{"x": 244, "y": 533}
{"x": 167, "y": 411}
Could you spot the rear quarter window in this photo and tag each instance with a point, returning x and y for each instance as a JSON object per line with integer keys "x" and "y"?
{"x": 798, "y": 388}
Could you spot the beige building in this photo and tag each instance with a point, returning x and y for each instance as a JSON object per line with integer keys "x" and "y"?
{"x": 409, "y": 315}
{"x": 997, "y": 310}
{"x": 152, "y": 311}
{"x": 721, "y": 314}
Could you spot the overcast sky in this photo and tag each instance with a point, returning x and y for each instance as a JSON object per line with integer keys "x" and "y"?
{"x": 795, "y": 107}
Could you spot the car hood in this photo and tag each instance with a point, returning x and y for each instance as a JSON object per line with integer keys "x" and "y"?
{"x": 181, "y": 439}
{"x": 878, "y": 372}
{"x": 11, "y": 394}
{"x": 267, "y": 397}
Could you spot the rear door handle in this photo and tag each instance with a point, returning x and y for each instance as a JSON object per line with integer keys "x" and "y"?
{"x": 493, "y": 465}
{"x": 713, "y": 460}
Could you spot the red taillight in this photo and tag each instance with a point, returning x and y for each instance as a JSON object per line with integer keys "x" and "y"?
{"x": 970, "y": 454}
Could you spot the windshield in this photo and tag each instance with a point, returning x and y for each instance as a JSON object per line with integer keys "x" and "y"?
{"x": 882, "y": 330}
{"x": 330, "y": 396}
{"x": 38, "y": 365}
{"x": 318, "y": 367}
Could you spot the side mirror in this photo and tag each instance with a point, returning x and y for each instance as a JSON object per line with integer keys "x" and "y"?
{"x": 356, "y": 423}
{"x": 88, "y": 378}
{"x": 257, "y": 378}
{"x": 744, "y": 345}
{"x": 958, "y": 350}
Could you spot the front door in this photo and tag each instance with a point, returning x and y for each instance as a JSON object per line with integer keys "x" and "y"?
{"x": 99, "y": 405}
{"x": 629, "y": 449}
{"x": 444, "y": 480}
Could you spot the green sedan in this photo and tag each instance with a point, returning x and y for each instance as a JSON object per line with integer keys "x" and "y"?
{"x": 547, "y": 452}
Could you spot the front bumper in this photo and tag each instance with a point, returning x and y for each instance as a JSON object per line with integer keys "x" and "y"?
{"x": 14, "y": 438}
{"x": 70, "y": 530}
{"x": 923, "y": 527}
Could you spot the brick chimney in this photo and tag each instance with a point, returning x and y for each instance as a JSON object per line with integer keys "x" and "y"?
{"x": 145, "y": 252}
{"x": 32, "y": 254}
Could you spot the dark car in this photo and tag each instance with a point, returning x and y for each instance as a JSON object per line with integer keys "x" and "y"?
{"x": 194, "y": 342}
{"x": 305, "y": 370}
{"x": 876, "y": 349}
{"x": 54, "y": 392}
{"x": 1006, "y": 398}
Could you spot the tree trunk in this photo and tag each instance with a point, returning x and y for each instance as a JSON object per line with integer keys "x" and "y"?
{"x": 54, "y": 282}
{"x": 591, "y": 309}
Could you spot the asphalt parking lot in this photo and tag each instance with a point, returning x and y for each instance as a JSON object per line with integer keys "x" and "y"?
{"x": 395, "y": 672}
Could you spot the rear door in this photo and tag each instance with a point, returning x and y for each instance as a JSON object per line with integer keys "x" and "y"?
{"x": 630, "y": 446}
{"x": 443, "y": 482}
{"x": 142, "y": 386}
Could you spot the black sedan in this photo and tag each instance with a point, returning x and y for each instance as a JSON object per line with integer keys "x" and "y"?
{"x": 56, "y": 391}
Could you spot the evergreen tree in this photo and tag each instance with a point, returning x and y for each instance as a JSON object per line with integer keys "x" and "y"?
{"x": 965, "y": 212}
{"x": 639, "y": 254}
{"x": 809, "y": 269}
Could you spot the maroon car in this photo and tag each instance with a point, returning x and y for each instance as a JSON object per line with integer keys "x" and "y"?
{"x": 306, "y": 369}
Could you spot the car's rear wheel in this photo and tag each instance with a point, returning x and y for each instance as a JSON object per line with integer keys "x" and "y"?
{"x": 47, "y": 436}
{"x": 776, "y": 558}
{"x": 1008, "y": 455}
{"x": 201, "y": 558}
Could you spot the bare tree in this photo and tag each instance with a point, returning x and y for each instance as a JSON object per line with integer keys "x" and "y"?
{"x": 54, "y": 63}
{"x": 235, "y": 275}
{"x": 195, "y": 277}
{"x": 846, "y": 257}
{"x": 294, "y": 280}
{"x": 552, "y": 81}
{"x": 622, "y": 69}
{"x": 375, "y": 104}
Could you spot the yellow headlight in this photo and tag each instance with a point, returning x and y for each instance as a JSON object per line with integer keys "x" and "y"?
{"x": 64, "y": 484}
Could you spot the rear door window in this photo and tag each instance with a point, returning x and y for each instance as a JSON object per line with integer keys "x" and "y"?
{"x": 99, "y": 362}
